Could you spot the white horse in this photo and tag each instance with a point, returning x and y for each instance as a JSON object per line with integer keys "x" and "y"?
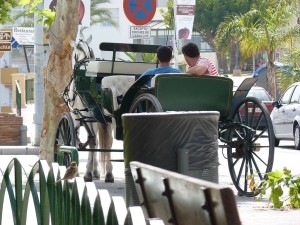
{"x": 102, "y": 133}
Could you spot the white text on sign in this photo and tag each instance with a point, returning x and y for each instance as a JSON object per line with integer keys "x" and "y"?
{"x": 140, "y": 32}
{"x": 5, "y": 47}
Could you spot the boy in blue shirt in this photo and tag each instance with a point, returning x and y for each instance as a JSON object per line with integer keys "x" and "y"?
{"x": 164, "y": 56}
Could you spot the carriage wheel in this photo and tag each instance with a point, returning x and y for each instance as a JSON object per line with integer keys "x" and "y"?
{"x": 251, "y": 148}
{"x": 145, "y": 103}
{"x": 65, "y": 135}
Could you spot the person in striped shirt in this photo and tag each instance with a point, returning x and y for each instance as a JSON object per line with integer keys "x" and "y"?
{"x": 197, "y": 65}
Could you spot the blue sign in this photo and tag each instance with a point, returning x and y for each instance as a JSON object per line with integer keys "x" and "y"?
{"x": 14, "y": 43}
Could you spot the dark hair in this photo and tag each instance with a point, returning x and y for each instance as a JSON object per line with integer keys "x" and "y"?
{"x": 164, "y": 53}
{"x": 191, "y": 50}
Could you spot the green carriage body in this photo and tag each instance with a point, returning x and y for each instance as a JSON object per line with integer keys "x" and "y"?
{"x": 86, "y": 88}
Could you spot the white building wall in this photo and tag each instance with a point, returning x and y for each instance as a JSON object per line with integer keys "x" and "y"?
{"x": 5, "y": 99}
{"x": 108, "y": 33}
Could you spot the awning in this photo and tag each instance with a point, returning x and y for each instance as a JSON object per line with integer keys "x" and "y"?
{"x": 157, "y": 25}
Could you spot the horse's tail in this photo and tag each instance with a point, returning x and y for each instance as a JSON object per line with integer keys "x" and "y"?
{"x": 105, "y": 141}
{"x": 105, "y": 135}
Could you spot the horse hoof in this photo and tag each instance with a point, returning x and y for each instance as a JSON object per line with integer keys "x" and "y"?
{"x": 109, "y": 178}
{"x": 96, "y": 176}
{"x": 88, "y": 177}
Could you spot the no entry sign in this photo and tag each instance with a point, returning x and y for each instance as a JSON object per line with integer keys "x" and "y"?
{"x": 139, "y": 12}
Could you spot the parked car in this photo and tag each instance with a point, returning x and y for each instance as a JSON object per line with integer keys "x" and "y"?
{"x": 286, "y": 116}
{"x": 263, "y": 95}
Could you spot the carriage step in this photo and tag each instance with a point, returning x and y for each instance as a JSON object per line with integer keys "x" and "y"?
{"x": 100, "y": 150}
{"x": 87, "y": 120}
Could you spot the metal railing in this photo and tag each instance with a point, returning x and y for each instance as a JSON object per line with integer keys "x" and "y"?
{"x": 18, "y": 98}
{"x": 62, "y": 202}
{"x": 29, "y": 86}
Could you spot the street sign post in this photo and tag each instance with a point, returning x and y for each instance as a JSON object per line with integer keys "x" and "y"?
{"x": 139, "y": 12}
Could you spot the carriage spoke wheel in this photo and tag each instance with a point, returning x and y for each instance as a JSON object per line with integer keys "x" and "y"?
{"x": 251, "y": 152}
{"x": 65, "y": 135}
{"x": 145, "y": 103}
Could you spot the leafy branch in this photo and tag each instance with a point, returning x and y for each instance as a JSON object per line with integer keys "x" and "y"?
{"x": 278, "y": 183}
{"x": 5, "y": 9}
{"x": 146, "y": 57}
{"x": 46, "y": 14}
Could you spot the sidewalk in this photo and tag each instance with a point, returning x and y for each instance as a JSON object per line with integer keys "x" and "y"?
{"x": 251, "y": 211}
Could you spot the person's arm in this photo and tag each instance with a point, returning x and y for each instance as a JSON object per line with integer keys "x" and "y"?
{"x": 198, "y": 69}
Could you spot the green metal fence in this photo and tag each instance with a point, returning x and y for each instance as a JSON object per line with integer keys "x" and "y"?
{"x": 29, "y": 86}
{"x": 18, "y": 98}
{"x": 60, "y": 203}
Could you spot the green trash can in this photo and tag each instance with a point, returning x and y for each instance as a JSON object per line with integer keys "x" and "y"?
{"x": 184, "y": 142}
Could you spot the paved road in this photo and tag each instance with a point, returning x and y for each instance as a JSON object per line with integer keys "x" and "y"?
{"x": 250, "y": 210}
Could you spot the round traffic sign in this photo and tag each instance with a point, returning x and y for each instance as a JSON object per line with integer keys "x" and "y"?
{"x": 139, "y": 12}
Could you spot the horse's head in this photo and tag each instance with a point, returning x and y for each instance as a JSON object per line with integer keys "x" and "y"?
{"x": 83, "y": 50}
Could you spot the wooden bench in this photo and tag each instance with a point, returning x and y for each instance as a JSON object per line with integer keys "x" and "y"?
{"x": 181, "y": 200}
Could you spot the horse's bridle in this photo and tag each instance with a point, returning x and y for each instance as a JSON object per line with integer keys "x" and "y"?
{"x": 86, "y": 56}
{"x": 66, "y": 96}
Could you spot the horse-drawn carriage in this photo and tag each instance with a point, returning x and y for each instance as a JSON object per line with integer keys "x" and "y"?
{"x": 101, "y": 91}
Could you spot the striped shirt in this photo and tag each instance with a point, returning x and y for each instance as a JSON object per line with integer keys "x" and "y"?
{"x": 211, "y": 68}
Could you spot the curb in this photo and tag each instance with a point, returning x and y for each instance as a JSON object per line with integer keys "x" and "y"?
{"x": 19, "y": 150}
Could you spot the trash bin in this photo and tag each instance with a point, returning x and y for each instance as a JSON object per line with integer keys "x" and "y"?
{"x": 184, "y": 142}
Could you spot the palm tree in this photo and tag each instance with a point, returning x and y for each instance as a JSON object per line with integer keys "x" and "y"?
{"x": 100, "y": 15}
{"x": 265, "y": 27}
{"x": 146, "y": 57}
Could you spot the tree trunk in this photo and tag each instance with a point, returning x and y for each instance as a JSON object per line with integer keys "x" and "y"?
{"x": 222, "y": 61}
{"x": 232, "y": 58}
{"x": 59, "y": 71}
{"x": 271, "y": 80}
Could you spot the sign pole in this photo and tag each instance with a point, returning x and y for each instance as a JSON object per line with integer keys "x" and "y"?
{"x": 139, "y": 54}
{"x": 38, "y": 79}
{"x": 175, "y": 50}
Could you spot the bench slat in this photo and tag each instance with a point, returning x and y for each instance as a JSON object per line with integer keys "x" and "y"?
{"x": 193, "y": 201}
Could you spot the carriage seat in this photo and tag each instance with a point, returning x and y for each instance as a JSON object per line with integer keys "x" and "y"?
{"x": 113, "y": 90}
{"x": 187, "y": 92}
{"x": 118, "y": 67}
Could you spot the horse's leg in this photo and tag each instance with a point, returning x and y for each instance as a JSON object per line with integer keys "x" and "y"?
{"x": 95, "y": 144}
{"x": 109, "y": 177}
{"x": 89, "y": 167}
{"x": 92, "y": 166}
{"x": 106, "y": 140}
{"x": 96, "y": 171}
